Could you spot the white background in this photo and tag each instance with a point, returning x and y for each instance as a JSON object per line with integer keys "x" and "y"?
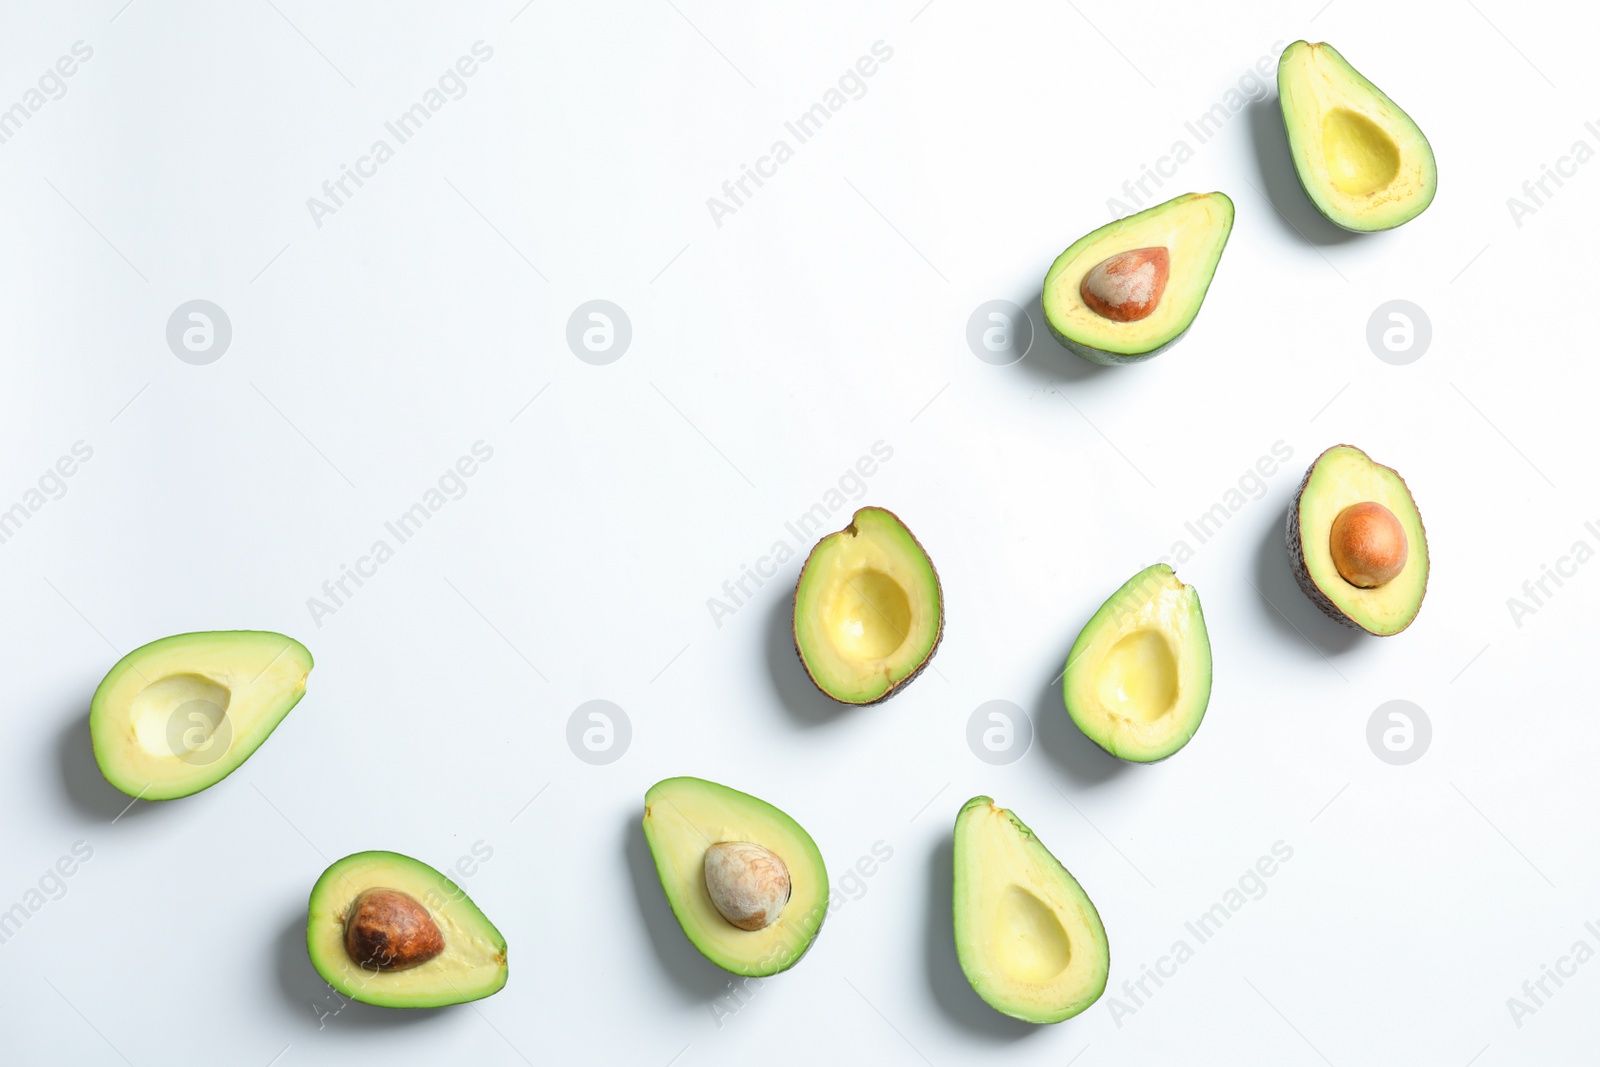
{"x": 768, "y": 354}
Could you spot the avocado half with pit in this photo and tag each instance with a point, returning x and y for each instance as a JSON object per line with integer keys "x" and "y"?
{"x": 1127, "y": 291}
{"x": 1138, "y": 678}
{"x": 1028, "y": 937}
{"x": 180, "y": 714}
{"x": 868, "y": 609}
{"x": 1361, "y": 159}
{"x": 745, "y": 881}
{"x": 389, "y": 930}
{"x": 1356, "y": 542}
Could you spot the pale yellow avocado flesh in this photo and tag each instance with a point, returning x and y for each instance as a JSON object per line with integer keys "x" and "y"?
{"x": 1343, "y": 476}
{"x": 1138, "y": 679}
{"x": 1361, "y": 159}
{"x": 1028, "y": 937}
{"x": 868, "y": 610}
{"x": 180, "y": 714}
{"x": 1193, "y": 228}
{"x": 472, "y": 965}
{"x": 683, "y": 817}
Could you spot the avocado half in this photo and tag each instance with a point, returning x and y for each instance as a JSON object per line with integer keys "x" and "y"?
{"x": 686, "y": 819}
{"x": 1344, "y": 477}
{"x": 1127, "y": 291}
{"x": 868, "y": 609}
{"x": 1138, "y": 678}
{"x": 1361, "y": 159}
{"x": 1028, "y": 937}
{"x": 180, "y": 714}
{"x": 389, "y": 930}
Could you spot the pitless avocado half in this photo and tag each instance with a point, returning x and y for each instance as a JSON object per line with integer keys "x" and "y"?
{"x": 1028, "y": 937}
{"x": 180, "y": 714}
{"x": 1138, "y": 678}
{"x": 1362, "y": 161}
{"x": 1356, "y": 542}
{"x": 868, "y": 609}
{"x": 1127, "y": 291}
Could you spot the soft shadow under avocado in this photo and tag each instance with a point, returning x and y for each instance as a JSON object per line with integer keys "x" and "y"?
{"x": 695, "y": 977}
{"x": 316, "y": 1004}
{"x": 1275, "y": 167}
{"x": 946, "y": 980}
{"x": 1285, "y": 604}
{"x": 798, "y": 694}
{"x": 87, "y": 789}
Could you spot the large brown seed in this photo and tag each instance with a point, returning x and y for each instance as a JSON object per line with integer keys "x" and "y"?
{"x": 1368, "y": 545}
{"x": 1128, "y": 286}
{"x": 748, "y": 884}
{"x": 387, "y": 930}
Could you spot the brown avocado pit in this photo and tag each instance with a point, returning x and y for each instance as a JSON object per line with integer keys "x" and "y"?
{"x": 1368, "y": 545}
{"x": 1127, "y": 287}
{"x": 387, "y": 930}
{"x": 748, "y": 884}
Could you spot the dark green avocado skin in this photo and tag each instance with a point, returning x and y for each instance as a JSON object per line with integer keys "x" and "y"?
{"x": 1297, "y": 560}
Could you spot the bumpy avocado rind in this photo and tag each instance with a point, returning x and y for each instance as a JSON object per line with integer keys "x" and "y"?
{"x": 683, "y": 818}
{"x": 868, "y": 609}
{"x": 1194, "y": 230}
{"x": 180, "y": 714}
{"x": 472, "y": 965}
{"x": 1340, "y": 477}
{"x": 1028, "y": 937}
{"x": 1361, "y": 159}
{"x": 1138, "y": 678}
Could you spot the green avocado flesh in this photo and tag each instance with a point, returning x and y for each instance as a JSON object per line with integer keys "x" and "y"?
{"x": 1138, "y": 677}
{"x": 1342, "y": 476}
{"x": 180, "y": 714}
{"x": 683, "y": 818}
{"x": 471, "y": 966}
{"x": 1361, "y": 159}
{"x": 1028, "y": 936}
{"x": 1193, "y": 229}
{"x": 868, "y": 610}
